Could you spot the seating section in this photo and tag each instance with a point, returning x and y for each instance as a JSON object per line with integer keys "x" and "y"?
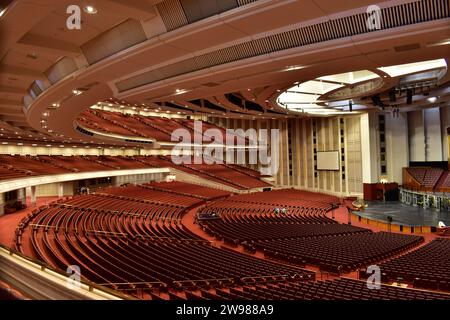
{"x": 15, "y": 167}
{"x": 31, "y": 165}
{"x": 339, "y": 289}
{"x": 192, "y": 190}
{"x": 158, "y": 128}
{"x": 9, "y": 293}
{"x": 258, "y": 231}
{"x": 131, "y": 239}
{"x": 340, "y": 253}
{"x": 424, "y": 178}
{"x": 427, "y": 267}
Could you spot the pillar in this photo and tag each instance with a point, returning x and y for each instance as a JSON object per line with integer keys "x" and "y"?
{"x": 433, "y": 139}
{"x": 369, "y": 147}
{"x": 2, "y": 204}
{"x": 60, "y": 190}
{"x": 397, "y": 150}
{"x": 33, "y": 195}
{"x": 22, "y": 195}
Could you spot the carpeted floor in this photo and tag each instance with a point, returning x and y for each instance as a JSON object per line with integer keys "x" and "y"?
{"x": 9, "y": 222}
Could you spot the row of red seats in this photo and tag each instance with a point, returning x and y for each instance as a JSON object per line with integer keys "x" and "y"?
{"x": 269, "y": 231}
{"x": 427, "y": 267}
{"x": 427, "y": 178}
{"x": 340, "y": 253}
{"x": 118, "y": 241}
{"x": 21, "y": 166}
{"x": 339, "y": 289}
{"x": 189, "y": 189}
{"x": 158, "y": 128}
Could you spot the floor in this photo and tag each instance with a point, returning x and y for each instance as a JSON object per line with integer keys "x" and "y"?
{"x": 404, "y": 214}
{"x": 9, "y": 222}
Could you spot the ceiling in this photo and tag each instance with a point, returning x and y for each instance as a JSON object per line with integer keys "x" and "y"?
{"x": 232, "y": 63}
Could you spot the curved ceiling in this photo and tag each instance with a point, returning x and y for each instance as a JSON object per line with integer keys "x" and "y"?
{"x": 167, "y": 56}
{"x": 350, "y": 92}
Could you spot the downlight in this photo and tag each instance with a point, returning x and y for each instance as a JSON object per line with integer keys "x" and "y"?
{"x": 90, "y": 10}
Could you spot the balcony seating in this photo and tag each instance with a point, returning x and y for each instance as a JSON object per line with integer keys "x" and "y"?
{"x": 15, "y": 167}
{"x": 158, "y": 128}
{"x": 189, "y": 189}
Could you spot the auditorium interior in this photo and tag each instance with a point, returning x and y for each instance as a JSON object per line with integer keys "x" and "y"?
{"x": 224, "y": 150}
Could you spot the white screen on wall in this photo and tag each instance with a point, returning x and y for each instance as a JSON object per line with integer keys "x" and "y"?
{"x": 328, "y": 160}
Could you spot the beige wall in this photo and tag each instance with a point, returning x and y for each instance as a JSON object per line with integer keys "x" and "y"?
{"x": 300, "y": 132}
{"x": 53, "y": 189}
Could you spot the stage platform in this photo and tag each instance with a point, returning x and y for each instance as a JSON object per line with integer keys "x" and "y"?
{"x": 403, "y": 214}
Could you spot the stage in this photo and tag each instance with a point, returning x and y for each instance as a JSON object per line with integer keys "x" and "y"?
{"x": 403, "y": 214}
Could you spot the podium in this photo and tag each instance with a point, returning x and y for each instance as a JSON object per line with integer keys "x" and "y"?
{"x": 381, "y": 191}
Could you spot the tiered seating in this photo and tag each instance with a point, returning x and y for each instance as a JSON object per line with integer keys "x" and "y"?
{"x": 189, "y": 189}
{"x": 100, "y": 122}
{"x": 338, "y": 253}
{"x": 144, "y": 193}
{"x": 8, "y": 172}
{"x": 443, "y": 184}
{"x": 31, "y": 164}
{"x": 158, "y": 128}
{"x": 223, "y": 172}
{"x": 339, "y": 289}
{"x": 76, "y": 162}
{"x": 131, "y": 239}
{"x": 9, "y": 293}
{"x": 215, "y": 172}
{"x": 427, "y": 267}
{"x": 422, "y": 178}
{"x": 228, "y": 136}
{"x": 129, "y": 243}
{"x": 269, "y": 231}
{"x": 21, "y": 166}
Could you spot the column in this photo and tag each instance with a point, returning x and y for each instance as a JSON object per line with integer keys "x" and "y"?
{"x": 416, "y": 136}
{"x": 60, "y": 190}
{"x": 22, "y": 195}
{"x": 33, "y": 195}
{"x": 433, "y": 139}
{"x": 397, "y": 150}
{"x": 369, "y": 147}
{"x": 2, "y": 204}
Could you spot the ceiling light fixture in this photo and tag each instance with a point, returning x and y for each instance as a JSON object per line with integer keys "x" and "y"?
{"x": 90, "y": 9}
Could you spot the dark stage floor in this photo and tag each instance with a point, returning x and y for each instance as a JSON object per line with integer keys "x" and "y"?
{"x": 403, "y": 214}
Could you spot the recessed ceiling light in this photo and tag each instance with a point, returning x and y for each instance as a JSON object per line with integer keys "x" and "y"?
{"x": 90, "y": 9}
{"x": 432, "y": 99}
